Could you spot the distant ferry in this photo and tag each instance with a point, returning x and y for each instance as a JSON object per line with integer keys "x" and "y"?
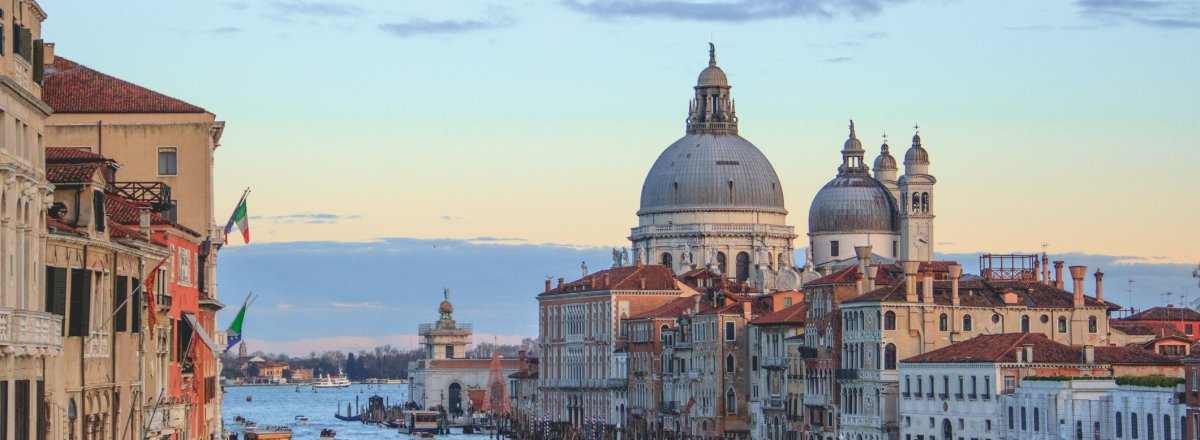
{"x": 387, "y": 381}
{"x": 332, "y": 382}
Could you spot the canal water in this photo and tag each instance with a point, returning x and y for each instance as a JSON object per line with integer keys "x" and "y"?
{"x": 279, "y": 406}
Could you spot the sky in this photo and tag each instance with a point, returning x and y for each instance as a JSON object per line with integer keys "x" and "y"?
{"x": 376, "y": 128}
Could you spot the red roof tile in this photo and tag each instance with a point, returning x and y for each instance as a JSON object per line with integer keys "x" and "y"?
{"x": 482, "y": 364}
{"x": 60, "y": 173}
{"x": 1140, "y": 328}
{"x": 656, "y": 277}
{"x": 126, "y": 211}
{"x": 1002, "y": 348}
{"x": 1165, "y": 314}
{"x": 673, "y": 309}
{"x": 849, "y": 275}
{"x": 983, "y": 293}
{"x": 71, "y": 87}
{"x": 63, "y": 228}
{"x": 71, "y": 155}
{"x": 793, "y": 315}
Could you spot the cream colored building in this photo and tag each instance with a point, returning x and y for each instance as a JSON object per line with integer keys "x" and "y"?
{"x": 30, "y": 336}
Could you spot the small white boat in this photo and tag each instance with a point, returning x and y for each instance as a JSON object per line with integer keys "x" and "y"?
{"x": 332, "y": 382}
{"x": 302, "y": 420}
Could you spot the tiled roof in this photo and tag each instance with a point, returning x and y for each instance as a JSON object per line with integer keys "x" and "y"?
{"x": 465, "y": 364}
{"x": 979, "y": 292}
{"x": 673, "y": 309}
{"x": 788, "y": 315}
{"x": 125, "y": 211}
{"x": 58, "y": 226}
{"x": 1165, "y": 314}
{"x": 758, "y": 306}
{"x": 71, "y": 155}
{"x": 1003, "y": 348}
{"x": 656, "y": 277}
{"x": 60, "y": 173}
{"x": 887, "y": 274}
{"x": 1139, "y": 328}
{"x": 71, "y": 87}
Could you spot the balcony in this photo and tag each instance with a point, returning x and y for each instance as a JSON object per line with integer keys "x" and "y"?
{"x": 637, "y": 411}
{"x": 815, "y": 399}
{"x": 774, "y": 363}
{"x": 167, "y": 418}
{"x": 30, "y": 333}
{"x": 808, "y": 353}
{"x": 857, "y": 420}
{"x": 211, "y": 304}
{"x": 972, "y": 396}
{"x": 694, "y": 376}
{"x": 905, "y": 395}
{"x": 775, "y": 402}
{"x": 616, "y": 382}
{"x": 157, "y": 194}
{"x": 668, "y": 407}
{"x": 943, "y": 396}
{"x": 846, "y": 374}
{"x": 958, "y": 396}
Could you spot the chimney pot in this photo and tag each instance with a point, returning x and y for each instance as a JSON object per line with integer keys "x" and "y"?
{"x": 560, "y": 283}
{"x": 1045, "y": 269}
{"x": 927, "y": 287}
{"x": 1099, "y": 285}
{"x": 910, "y": 280}
{"x": 1058, "y": 275}
{"x": 872, "y": 272}
{"x": 955, "y": 274}
{"x": 547, "y": 286}
{"x": 746, "y": 310}
{"x": 48, "y": 53}
{"x": 1089, "y": 354}
{"x": 1077, "y": 274}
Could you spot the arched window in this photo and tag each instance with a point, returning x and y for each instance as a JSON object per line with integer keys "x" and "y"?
{"x": 889, "y": 320}
{"x": 783, "y": 263}
{"x": 966, "y": 323}
{"x": 1092, "y": 324}
{"x": 1149, "y": 426}
{"x": 1167, "y": 426}
{"x": 1062, "y": 324}
{"x": 916, "y": 202}
{"x": 924, "y": 202}
{"x": 1133, "y": 431}
{"x": 943, "y": 322}
{"x": 1025, "y": 324}
{"x": 1118, "y": 427}
{"x": 721, "y": 263}
{"x": 889, "y": 357}
{"x": 996, "y": 318}
{"x": 1024, "y": 427}
{"x": 667, "y": 260}
{"x": 1011, "y": 420}
{"x": 743, "y": 266}
{"x": 1037, "y": 422}
{"x": 730, "y": 401}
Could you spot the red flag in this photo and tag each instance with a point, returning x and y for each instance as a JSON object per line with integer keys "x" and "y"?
{"x": 688, "y": 409}
{"x": 148, "y": 288}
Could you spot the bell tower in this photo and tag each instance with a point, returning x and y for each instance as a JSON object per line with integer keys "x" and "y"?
{"x": 916, "y": 204}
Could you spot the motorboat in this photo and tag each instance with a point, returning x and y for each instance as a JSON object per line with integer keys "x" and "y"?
{"x": 328, "y": 433}
{"x": 302, "y": 420}
{"x": 328, "y": 381}
{"x": 269, "y": 433}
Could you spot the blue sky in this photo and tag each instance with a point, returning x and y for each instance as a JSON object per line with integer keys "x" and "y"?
{"x": 1071, "y": 123}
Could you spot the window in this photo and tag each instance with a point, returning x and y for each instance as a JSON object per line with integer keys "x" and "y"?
{"x": 730, "y": 335}
{"x": 943, "y": 321}
{"x": 729, "y": 367}
{"x": 889, "y": 358}
{"x": 1044, "y": 319}
{"x": 1149, "y": 427}
{"x": 1118, "y": 429}
{"x": 1011, "y": 425}
{"x": 1025, "y": 324}
{"x": 907, "y": 386}
{"x": 449, "y": 352}
{"x": 974, "y": 387}
{"x": 184, "y": 266}
{"x": 966, "y": 326}
{"x": 1133, "y": 431}
{"x": 730, "y": 401}
{"x": 987, "y": 387}
{"x": 1010, "y": 384}
{"x": 1166, "y": 427}
{"x": 167, "y": 162}
{"x": 895, "y": 249}
{"x": 1024, "y": 427}
{"x": 787, "y": 302}
{"x": 1187, "y": 328}
{"x": 889, "y": 320}
{"x": 1062, "y": 324}
{"x": 834, "y": 250}
{"x": 1092, "y": 324}
{"x": 1037, "y": 422}
{"x": 743, "y": 266}
{"x": 667, "y": 260}
{"x": 995, "y": 318}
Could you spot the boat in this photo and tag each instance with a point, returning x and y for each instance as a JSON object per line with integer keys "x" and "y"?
{"x": 250, "y": 425}
{"x": 328, "y": 433}
{"x": 268, "y": 433}
{"x": 239, "y": 420}
{"x": 328, "y": 381}
{"x": 302, "y": 420}
{"x": 348, "y": 417}
{"x": 422, "y": 422}
{"x": 249, "y": 398}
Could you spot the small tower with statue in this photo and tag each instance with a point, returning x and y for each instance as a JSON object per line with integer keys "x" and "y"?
{"x": 445, "y": 339}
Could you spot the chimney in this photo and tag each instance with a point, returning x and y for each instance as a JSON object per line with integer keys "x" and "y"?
{"x": 547, "y": 286}
{"x": 955, "y": 274}
{"x": 1099, "y": 285}
{"x": 560, "y": 284}
{"x": 1077, "y": 274}
{"x": 864, "y": 256}
{"x": 910, "y": 280}
{"x": 1058, "y": 280}
{"x": 606, "y": 280}
{"x": 1045, "y": 269}
{"x": 642, "y": 283}
{"x": 746, "y": 310}
{"x": 48, "y": 53}
{"x": 872, "y": 272}
{"x": 927, "y": 287}
{"x": 1089, "y": 354}
{"x": 521, "y": 357}
{"x": 695, "y": 304}
{"x": 1026, "y": 353}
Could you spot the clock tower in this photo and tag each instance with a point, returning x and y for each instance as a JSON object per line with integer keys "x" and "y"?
{"x": 916, "y": 204}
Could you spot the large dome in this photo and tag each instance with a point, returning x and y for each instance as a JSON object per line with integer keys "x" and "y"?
{"x": 853, "y": 203}
{"x": 711, "y": 172}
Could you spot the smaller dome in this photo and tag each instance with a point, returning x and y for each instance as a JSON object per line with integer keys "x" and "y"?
{"x": 446, "y": 307}
{"x": 885, "y": 161}
{"x": 917, "y": 153}
{"x": 712, "y": 76}
{"x": 852, "y": 144}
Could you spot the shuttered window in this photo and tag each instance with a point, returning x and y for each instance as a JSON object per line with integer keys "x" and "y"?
{"x": 56, "y": 290}
{"x": 21, "y": 410}
{"x": 121, "y": 317}
{"x": 136, "y": 301}
{"x": 39, "y": 60}
{"x": 4, "y": 408}
{"x": 98, "y": 209}
{"x": 81, "y": 302}
{"x": 43, "y": 413}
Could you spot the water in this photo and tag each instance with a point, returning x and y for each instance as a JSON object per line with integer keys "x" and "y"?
{"x": 279, "y": 405}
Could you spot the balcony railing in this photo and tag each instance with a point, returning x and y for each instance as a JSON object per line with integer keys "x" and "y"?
{"x": 775, "y": 402}
{"x": 30, "y": 333}
{"x": 808, "y": 353}
{"x": 815, "y": 399}
{"x": 943, "y": 396}
{"x": 972, "y": 396}
{"x": 958, "y": 396}
{"x": 774, "y": 362}
{"x": 157, "y": 194}
{"x": 465, "y": 329}
{"x": 668, "y": 406}
{"x": 617, "y": 382}
{"x": 846, "y": 374}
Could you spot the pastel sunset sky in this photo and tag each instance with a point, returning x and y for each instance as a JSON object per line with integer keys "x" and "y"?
{"x": 380, "y": 128}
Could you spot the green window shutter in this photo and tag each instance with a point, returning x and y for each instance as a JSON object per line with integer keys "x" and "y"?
{"x": 136, "y": 301}
{"x": 98, "y": 209}
{"x": 26, "y": 44}
{"x": 81, "y": 302}
{"x": 1, "y": 39}
{"x": 16, "y": 48}
{"x": 121, "y": 320}
{"x": 56, "y": 290}
{"x": 39, "y": 61}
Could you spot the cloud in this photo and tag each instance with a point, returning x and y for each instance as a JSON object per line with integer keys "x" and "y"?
{"x": 283, "y": 305}
{"x": 728, "y": 10}
{"x": 305, "y": 218}
{"x": 838, "y": 59}
{"x": 449, "y": 218}
{"x": 417, "y": 27}
{"x": 291, "y": 8}
{"x": 301, "y": 347}
{"x": 1165, "y": 14}
{"x": 225, "y": 30}
{"x": 360, "y": 305}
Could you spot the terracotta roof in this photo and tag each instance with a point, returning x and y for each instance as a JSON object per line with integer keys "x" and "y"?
{"x": 61, "y": 173}
{"x": 1140, "y": 328}
{"x": 57, "y": 226}
{"x": 1003, "y": 348}
{"x": 788, "y": 315}
{"x": 887, "y": 274}
{"x": 979, "y": 292}
{"x": 656, "y": 277}
{"x": 673, "y": 309}
{"x": 71, "y": 87}
{"x": 1165, "y": 314}
{"x": 466, "y": 364}
{"x": 758, "y": 305}
{"x": 71, "y": 155}
{"x": 125, "y": 211}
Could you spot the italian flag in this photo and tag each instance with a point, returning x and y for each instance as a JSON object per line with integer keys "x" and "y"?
{"x": 239, "y": 217}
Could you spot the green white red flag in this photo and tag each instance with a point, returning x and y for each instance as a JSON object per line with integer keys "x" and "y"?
{"x": 239, "y": 218}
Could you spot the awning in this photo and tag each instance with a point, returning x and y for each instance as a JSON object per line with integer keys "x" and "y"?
{"x": 202, "y": 333}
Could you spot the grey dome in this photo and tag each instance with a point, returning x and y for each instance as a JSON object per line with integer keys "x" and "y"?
{"x": 885, "y": 161}
{"x": 712, "y": 76}
{"x": 711, "y": 172}
{"x": 917, "y": 153}
{"x": 853, "y": 203}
